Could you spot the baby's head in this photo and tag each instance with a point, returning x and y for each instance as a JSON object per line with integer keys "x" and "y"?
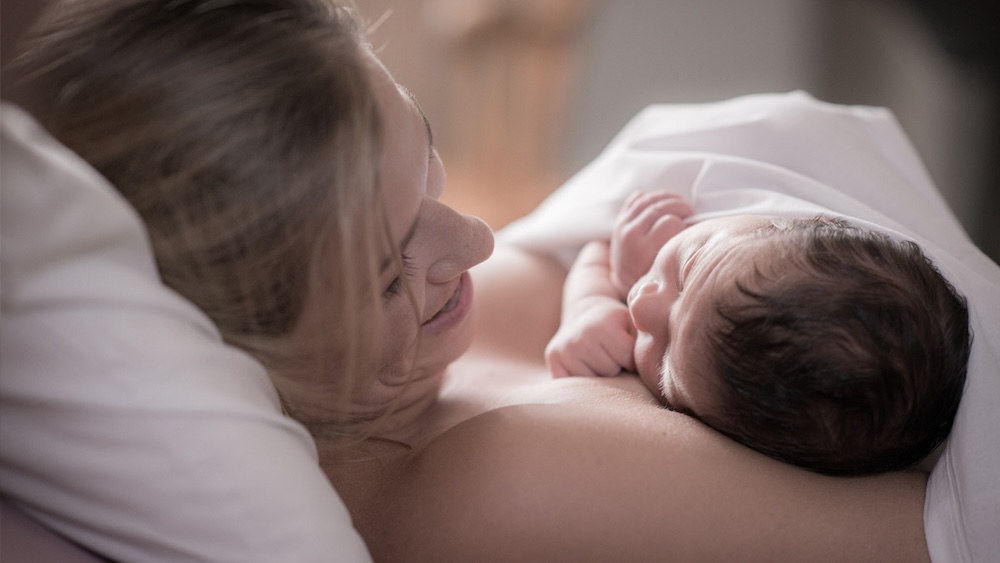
{"x": 814, "y": 341}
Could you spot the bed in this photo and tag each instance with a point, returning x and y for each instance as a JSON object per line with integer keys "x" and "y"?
{"x": 124, "y": 415}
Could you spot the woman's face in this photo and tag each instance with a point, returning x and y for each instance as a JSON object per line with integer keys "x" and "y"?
{"x": 672, "y": 304}
{"x": 430, "y": 300}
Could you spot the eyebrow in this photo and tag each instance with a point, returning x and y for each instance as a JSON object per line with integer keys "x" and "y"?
{"x": 685, "y": 270}
{"x": 430, "y": 142}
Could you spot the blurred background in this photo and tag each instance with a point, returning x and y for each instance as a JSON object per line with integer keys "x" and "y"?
{"x": 522, "y": 93}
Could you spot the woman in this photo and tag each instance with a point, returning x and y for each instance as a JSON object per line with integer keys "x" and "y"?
{"x": 291, "y": 188}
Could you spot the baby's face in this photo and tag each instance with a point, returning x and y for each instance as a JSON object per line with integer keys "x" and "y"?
{"x": 672, "y": 303}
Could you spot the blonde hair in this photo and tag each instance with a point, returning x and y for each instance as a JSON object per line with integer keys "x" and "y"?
{"x": 247, "y": 137}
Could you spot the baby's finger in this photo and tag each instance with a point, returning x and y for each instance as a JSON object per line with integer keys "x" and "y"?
{"x": 572, "y": 366}
{"x": 555, "y": 358}
{"x": 629, "y": 364}
{"x": 552, "y": 362}
{"x": 602, "y": 364}
{"x": 641, "y": 200}
{"x": 631, "y": 201}
{"x": 666, "y": 227}
{"x": 556, "y": 369}
{"x": 620, "y": 350}
{"x": 642, "y": 222}
{"x": 670, "y": 206}
{"x": 636, "y": 202}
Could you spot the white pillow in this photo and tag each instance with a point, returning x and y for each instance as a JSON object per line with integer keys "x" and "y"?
{"x": 126, "y": 424}
{"x": 791, "y": 155}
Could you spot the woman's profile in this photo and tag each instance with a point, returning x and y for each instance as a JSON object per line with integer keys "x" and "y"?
{"x": 290, "y": 188}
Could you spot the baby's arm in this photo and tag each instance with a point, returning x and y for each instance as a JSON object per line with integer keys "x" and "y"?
{"x": 596, "y": 335}
{"x": 645, "y": 223}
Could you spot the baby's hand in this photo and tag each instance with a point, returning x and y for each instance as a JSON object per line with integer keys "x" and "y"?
{"x": 645, "y": 223}
{"x": 598, "y": 342}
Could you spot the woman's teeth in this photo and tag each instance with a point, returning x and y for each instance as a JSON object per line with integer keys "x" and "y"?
{"x": 451, "y": 303}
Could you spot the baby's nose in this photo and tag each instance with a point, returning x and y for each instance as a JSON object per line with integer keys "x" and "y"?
{"x": 642, "y": 305}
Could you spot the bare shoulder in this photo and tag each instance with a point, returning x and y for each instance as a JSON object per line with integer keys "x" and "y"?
{"x": 584, "y": 482}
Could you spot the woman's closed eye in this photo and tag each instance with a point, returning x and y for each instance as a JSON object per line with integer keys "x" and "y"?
{"x": 396, "y": 285}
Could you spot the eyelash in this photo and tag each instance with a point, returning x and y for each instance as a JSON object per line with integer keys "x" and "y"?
{"x": 396, "y": 285}
{"x": 685, "y": 270}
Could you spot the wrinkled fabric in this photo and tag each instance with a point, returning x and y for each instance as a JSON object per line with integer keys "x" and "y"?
{"x": 126, "y": 425}
{"x": 793, "y": 156}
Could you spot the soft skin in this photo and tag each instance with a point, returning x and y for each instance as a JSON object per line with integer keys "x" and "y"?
{"x": 485, "y": 457}
{"x": 669, "y": 304}
{"x": 489, "y": 458}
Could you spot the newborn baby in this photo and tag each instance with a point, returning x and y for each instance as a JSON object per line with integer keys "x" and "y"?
{"x": 814, "y": 341}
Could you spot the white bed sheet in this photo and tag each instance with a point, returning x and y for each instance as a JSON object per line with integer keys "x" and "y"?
{"x": 126, "y": 425}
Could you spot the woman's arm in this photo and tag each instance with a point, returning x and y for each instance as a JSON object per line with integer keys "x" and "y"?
{"x": 571, "y": 482}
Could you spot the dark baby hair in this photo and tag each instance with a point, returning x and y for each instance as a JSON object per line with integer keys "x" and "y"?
{"x": 847, "y": 357}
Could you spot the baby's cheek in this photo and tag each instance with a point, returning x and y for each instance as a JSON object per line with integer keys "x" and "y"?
{"x": 648, "y": 362}
{"x": 693, "y": 385}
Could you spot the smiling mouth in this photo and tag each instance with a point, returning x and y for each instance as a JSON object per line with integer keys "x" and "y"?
{"x": 449, "y": 305}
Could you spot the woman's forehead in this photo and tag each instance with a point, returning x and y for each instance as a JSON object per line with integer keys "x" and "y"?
{"x": 404, "y": 161}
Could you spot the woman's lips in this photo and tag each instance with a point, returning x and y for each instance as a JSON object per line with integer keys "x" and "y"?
{"x": 455, "y": 309}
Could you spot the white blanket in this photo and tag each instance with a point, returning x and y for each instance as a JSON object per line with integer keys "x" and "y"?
{"x": 791, "y": 155}
{"x": 126, "y": 425}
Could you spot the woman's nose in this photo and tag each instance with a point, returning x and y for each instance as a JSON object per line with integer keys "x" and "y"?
{"x": 464, "y": 241}
{"x": 648, "y": 311}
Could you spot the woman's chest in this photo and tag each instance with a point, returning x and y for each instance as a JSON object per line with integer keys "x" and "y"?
{"x": 477, "y": 385}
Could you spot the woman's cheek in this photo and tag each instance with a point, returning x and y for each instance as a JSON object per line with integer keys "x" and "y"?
{"x": 399, "y": 327}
